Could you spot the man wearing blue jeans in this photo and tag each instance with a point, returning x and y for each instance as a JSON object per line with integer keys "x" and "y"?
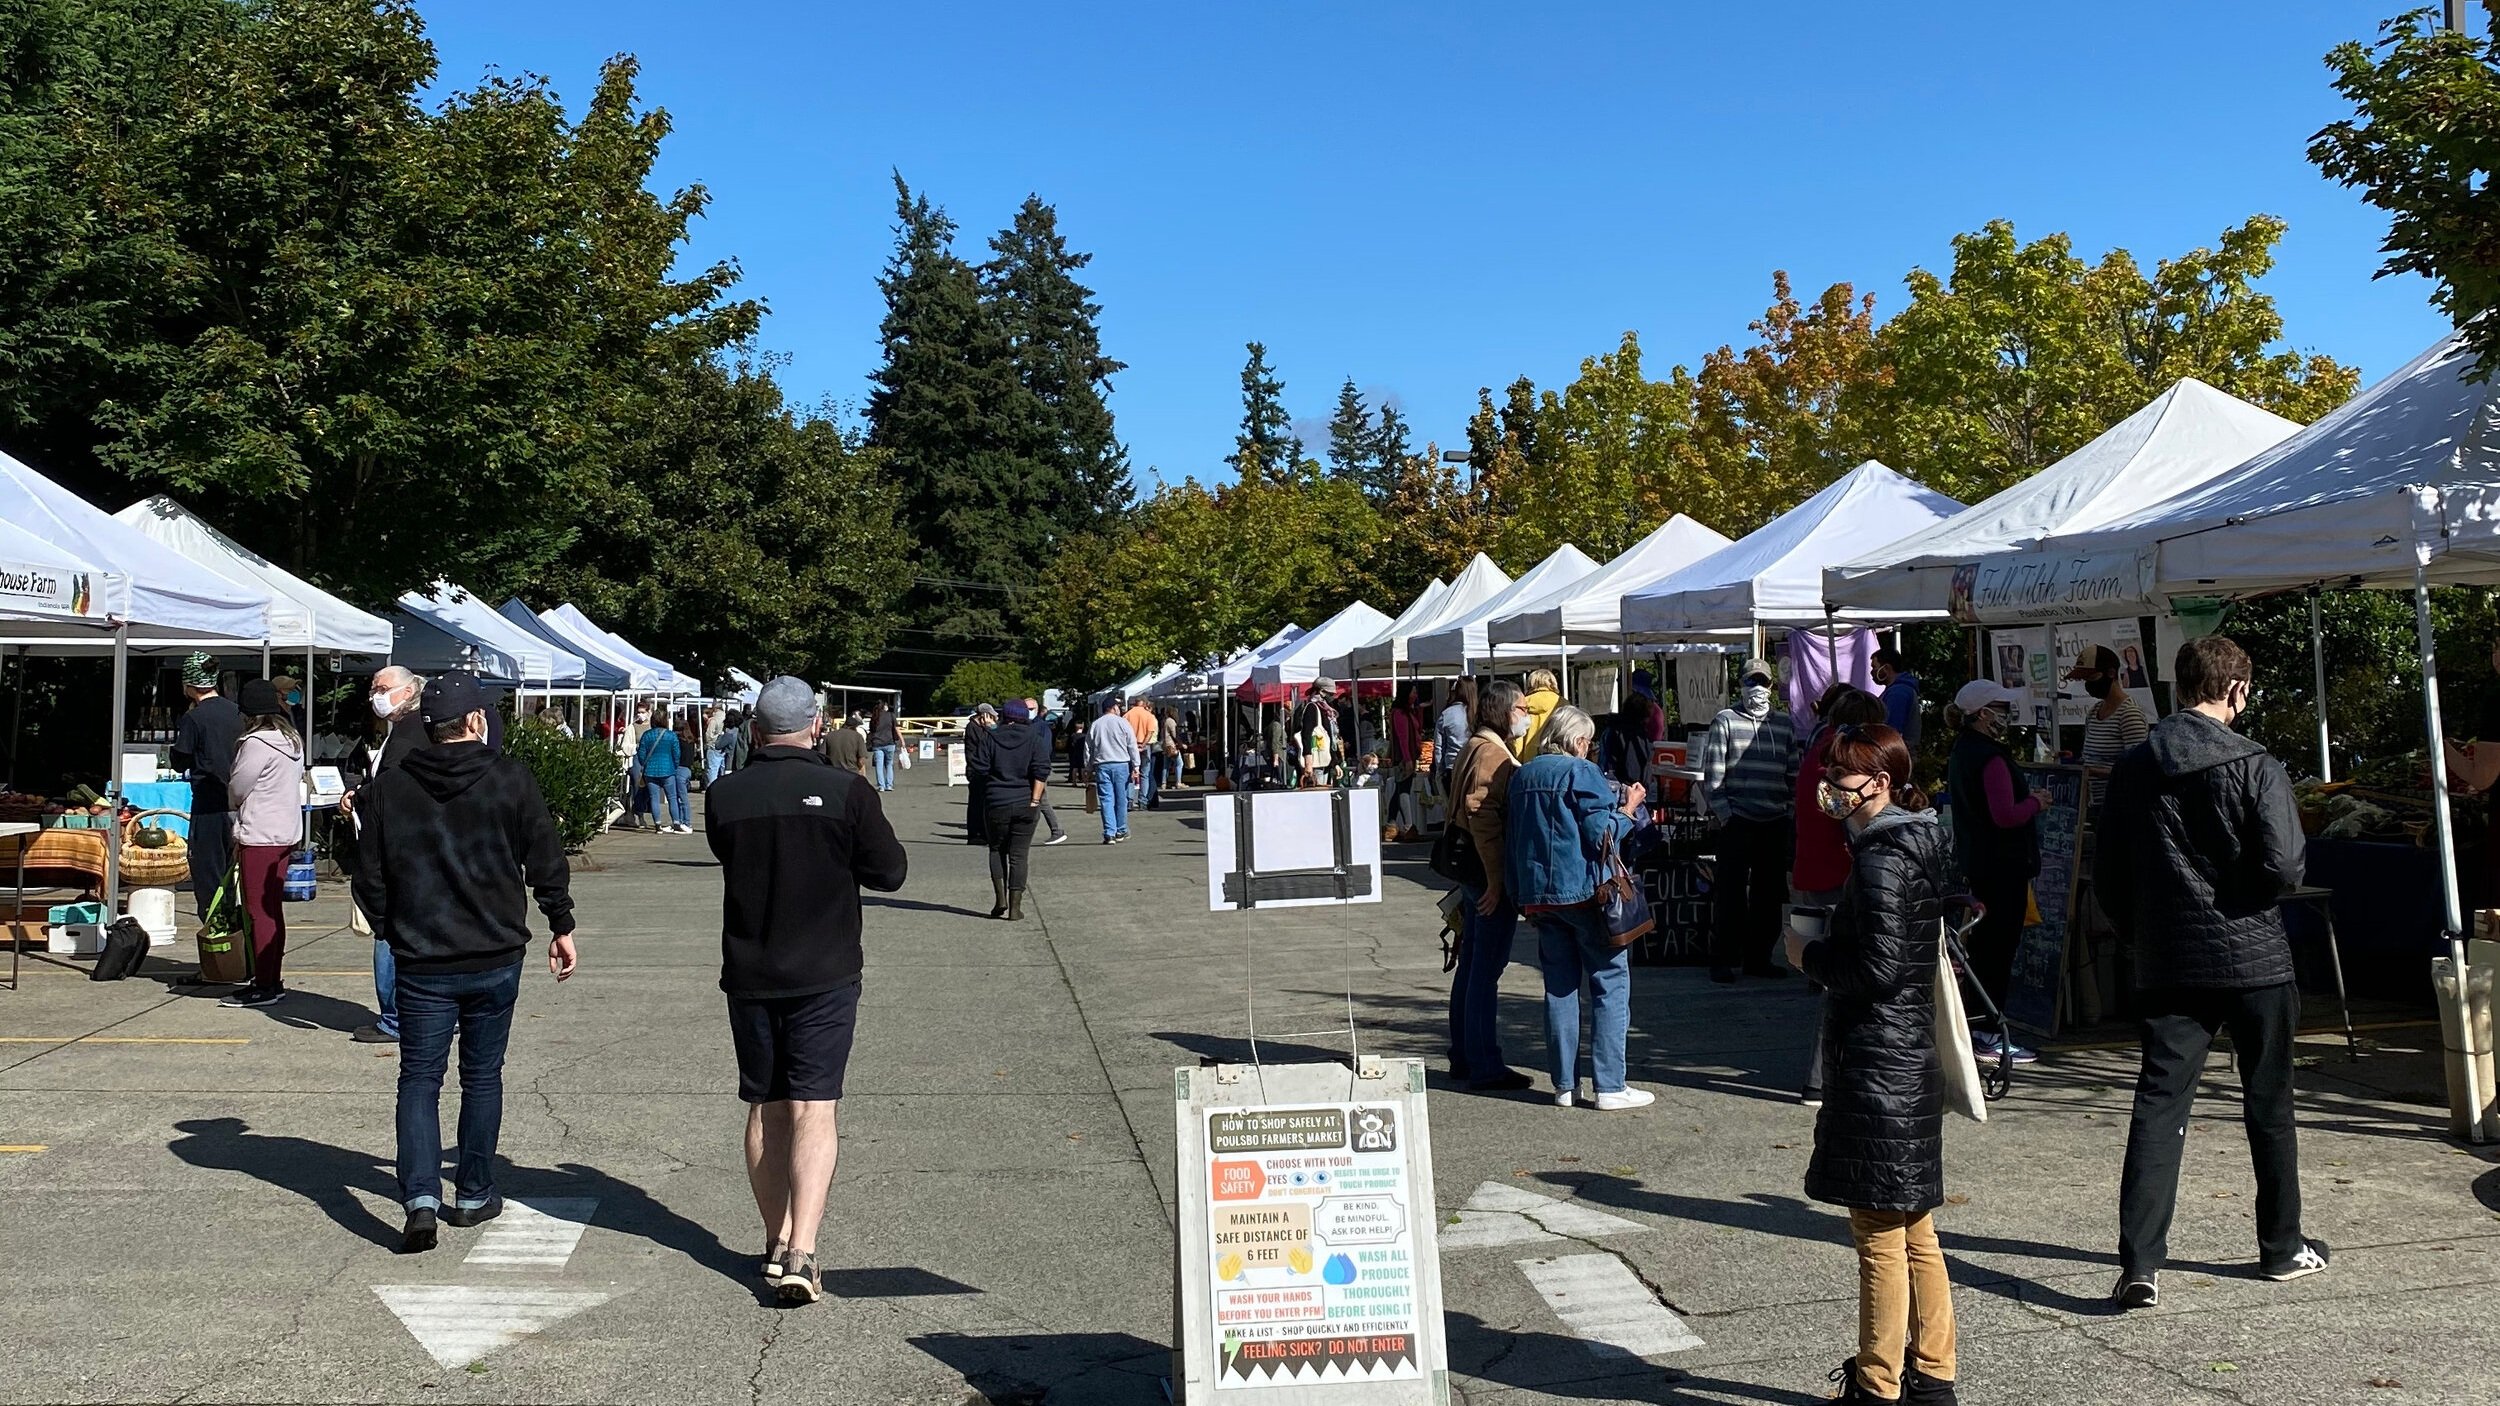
{"x": 455, "y": 840}
{"x": 1111, "y": 745}
{"x": 394, "y": 699}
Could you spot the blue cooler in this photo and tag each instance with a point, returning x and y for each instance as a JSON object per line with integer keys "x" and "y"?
{"x": 301, "y": 884}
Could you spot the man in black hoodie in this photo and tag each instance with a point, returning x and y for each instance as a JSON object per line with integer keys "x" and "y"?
{"x": 456, "y": 839}
{"x": 797, "y": 839}
{"x": 2198, "y": 842}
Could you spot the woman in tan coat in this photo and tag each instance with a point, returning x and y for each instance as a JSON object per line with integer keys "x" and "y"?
{"x": 1479, "y": 800}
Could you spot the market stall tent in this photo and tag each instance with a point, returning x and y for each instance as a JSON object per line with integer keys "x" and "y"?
{"x": 1593, "y": 605}
{"x": 1236, "y": 671}
{"x": 746, "y": 687}
{"x": 302, "y": 616}
{"x": 1459, "y": 641}
{"x": 1478, "y": 582}
{"x": 598, "y": 675}
{"x": 2188, "y": 436}
{"x": 1417, "y": 611}
{"x": 1287, "y": 671}
{"x": 670, "y": 682}
{"x": 450, "y": 628}
{"x": 639, "y": 677}
{"x": 104, "y": 577}
{"x": 1774, "y": 575}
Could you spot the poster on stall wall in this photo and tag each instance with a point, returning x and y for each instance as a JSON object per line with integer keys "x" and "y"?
{"x": 1311, "y": 1246}
{"x": 2023, "y": 660}
{"x": 2123, "y": 638}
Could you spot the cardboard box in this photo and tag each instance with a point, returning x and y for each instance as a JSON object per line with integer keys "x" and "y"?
{"x": 75, "y": 939}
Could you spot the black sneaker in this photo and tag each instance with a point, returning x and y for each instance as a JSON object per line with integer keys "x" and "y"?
{"x": 800, "y": 1283}
{"x": 2137, "y": 1291}
{"x": 252, "y": 997}
{"x": 1852, "y": 1391}
{"x": 474, "y": 1215}
{"x": 1508, "y": 1081}
{"x": 1920, "y": 1389}
{"x": 2310, "y": 1260}
{"x": 417, "y": 1236}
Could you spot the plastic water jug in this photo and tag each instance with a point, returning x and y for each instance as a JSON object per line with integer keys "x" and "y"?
{"x": 301, "y": 885}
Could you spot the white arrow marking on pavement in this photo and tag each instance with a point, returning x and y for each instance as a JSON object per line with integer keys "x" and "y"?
{"x": 458, "y": 1325}
{"x": 1597, "y": 1297}
{"x": 535, "y": 1234}
{"x": 1501, "y": 1214}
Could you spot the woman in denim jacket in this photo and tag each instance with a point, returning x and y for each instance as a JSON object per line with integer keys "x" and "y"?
{"x": 1562, "y": 813}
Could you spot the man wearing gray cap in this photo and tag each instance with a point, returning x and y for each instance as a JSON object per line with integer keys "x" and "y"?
{"x": 797, "y": 839}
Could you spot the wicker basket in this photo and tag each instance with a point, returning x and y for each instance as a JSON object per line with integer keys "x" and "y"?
{"x": 154, "y": 868}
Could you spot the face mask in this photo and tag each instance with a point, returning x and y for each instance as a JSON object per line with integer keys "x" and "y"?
{"x": 2099, "y": 687}
{"x": 382, "y": 706}
{"x": 1839, "y": 802}
{"x": 1757, "y": 698}
{"x": 1520, "y": 723}
{"x": 294, "y": 698}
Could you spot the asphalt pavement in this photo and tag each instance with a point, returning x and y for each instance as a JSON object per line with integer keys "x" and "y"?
{"x": 196, "y": 1206}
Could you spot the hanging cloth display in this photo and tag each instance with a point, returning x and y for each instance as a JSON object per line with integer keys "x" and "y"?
{"x": 1700, "y": 688}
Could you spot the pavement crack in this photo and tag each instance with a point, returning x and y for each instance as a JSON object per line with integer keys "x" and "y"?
{"x": 1656, "y": 1291}
{"x": 763, "y": 1355}
{"x": 1093, "y": 1042}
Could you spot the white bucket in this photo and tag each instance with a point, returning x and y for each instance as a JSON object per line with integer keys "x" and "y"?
{"x": 154, "y": 908}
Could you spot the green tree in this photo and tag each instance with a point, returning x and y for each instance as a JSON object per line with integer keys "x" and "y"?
{"x": 1054, "y": 346}
{"x": 1777, "y": 421}
{"x": 1351, "y": 442}
{"x": 1389, "y": 452}
{"x": 1606, "y": 457}
{"x": 2423, "y": 145}
{"x": 2026, "y": 352}
{"x": 973, "y": 682}
{"x": 1266, "y": 447}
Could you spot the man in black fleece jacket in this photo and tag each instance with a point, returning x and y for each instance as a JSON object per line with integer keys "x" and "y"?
{"x": 456, "y": 838}
{"x": 797, "y": 839}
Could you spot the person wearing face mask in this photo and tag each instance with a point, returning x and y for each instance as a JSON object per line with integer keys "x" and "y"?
{"x": 1879, "y": 1139}
{"x": 1480, "y": 806}
{"x": 2202, "y": 842}
{"x": 1748, "y": 780}
{"x": 2116, "y": 723}
{"x": 393, "y": 700}
{"x": 1822, "y": 864}
{"x": 1996, "y": 839}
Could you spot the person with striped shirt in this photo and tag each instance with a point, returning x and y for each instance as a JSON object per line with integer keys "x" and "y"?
{"x": 2116, "y": 722}
{"x": 1748, "y": 781}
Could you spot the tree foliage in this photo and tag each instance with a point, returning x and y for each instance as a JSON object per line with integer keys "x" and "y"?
{"x": 1265, "y": 449}
{"x": 973, "y": 682}
{"x": 2423, "y": 145}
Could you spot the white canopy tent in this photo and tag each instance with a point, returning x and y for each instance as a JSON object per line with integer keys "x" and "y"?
{"x": 1294, "y": 666}
{"x": 1459, "y": 640}
{"x": 1393, "y": 636}
{"x": 1210, "y": 677}
{"x": 1236, "y": 671}
{"x": 2183, "y": 438}
{"x": 452, "y": 629}
{"x": 1478, "y": 582}
{"x": 1774, "y": 575}
{"x": 638, "y": 676}
{"x": 1593, "y": 605}
{"x": 598, "y": 675}
{"x": 670, "y": 682}
{"x": 74, "y": 579}
{"x": 747, "y": 687}
{"x": 302, "y": 617}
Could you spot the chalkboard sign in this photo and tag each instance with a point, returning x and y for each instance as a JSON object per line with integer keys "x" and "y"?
{"x": 2040, "y": 952}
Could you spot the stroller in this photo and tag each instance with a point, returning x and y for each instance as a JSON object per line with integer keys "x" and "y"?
{"x": 1962, "y": 914}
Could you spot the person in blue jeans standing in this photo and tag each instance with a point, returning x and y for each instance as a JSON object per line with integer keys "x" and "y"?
{"x": 1111, "y": 746}
{"x": 659, "y": 757}
{"x": 456, "y": 839}
{"x": 1564, "y": 815}
{"x": 885, "y": 743}
{"x": 1480, "y": 805}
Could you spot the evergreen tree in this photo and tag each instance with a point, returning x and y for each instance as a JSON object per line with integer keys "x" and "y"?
{"x": 1389, "y": 454}
{"x": 1266, "y": 447}
{"x": 945, "y": 411}
{"x": 1350, "y": 443}
{"x": 1055, "y": 349}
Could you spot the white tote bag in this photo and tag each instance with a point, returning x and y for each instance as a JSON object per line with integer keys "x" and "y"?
{"x": 1960, "y": 1066}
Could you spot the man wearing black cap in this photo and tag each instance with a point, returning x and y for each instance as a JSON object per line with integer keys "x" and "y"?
{"x": 204, "y": 743}
{"x": 455, "y": 839}
{"x": 797, "y": 839}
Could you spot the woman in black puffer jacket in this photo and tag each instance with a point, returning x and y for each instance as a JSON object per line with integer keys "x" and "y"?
{"x": 1879, "y": 1141}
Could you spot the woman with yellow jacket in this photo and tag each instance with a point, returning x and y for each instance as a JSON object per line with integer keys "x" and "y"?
{"x": 1541, "y": 699}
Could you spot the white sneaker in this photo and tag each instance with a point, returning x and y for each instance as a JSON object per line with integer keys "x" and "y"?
{"x": 681, "y": 830}
{"x": 1562, "y": 1100}
{"x": 1059, "y": 839}
{"x": 1624, "y": 1098}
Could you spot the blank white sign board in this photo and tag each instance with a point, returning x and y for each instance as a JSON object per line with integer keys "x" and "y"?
{"x": 1294, "y": 838}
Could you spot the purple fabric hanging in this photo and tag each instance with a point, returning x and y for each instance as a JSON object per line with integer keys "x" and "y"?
{"x": 1810, "y": 667}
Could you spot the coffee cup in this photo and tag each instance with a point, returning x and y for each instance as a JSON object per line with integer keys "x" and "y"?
{"x": 1809, "y": 921}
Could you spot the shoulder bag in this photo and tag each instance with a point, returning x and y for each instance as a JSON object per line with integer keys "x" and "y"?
{"x": 1620, "y": 903}
{"x": 1456, "y": 858}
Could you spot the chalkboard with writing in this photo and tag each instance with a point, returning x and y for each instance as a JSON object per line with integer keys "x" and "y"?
{"x": 2040, "y": 952}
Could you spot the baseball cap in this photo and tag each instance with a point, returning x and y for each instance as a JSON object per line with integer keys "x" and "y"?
{"x": 2094, "y": 659}
{"x": 451, "y": 696}
{"x": 1986, "y": 693}
{"x": 199, "y": 671}
{"x": 986, "y": 710}
{"x": 1323, "y": 685}
{"x": 785, "y": 706}
{"x": 1759, "y": 666}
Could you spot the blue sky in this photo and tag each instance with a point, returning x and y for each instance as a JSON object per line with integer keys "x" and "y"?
{"x": 1435, "y": 197}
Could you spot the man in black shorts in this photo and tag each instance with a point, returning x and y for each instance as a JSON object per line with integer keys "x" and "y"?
{"x": 797, "y": 839}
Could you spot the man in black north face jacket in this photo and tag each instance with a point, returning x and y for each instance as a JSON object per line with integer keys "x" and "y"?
{"x": 2198, "y": 843}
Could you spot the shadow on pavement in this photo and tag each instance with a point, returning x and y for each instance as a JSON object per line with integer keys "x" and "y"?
{"x": 915, "y": 905}
{"x": 1096, "y": 1369}
{"x": 1499, "y": 1356}
{"x": 329, "y": 1176}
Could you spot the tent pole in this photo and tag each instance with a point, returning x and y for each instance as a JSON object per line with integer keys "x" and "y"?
{"x": 264, "y": 659}
{"x": 2317, "y": 662}
{"x": 2444, "y": 824}
{"x": 17, "y": 713}
{"x": 113, "y": 777}
{"x": 1831, "y": 640}
{"x": 1565, "y": 637}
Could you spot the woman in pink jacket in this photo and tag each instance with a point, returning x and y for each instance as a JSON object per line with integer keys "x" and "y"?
{"x": 268, "y": 792}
